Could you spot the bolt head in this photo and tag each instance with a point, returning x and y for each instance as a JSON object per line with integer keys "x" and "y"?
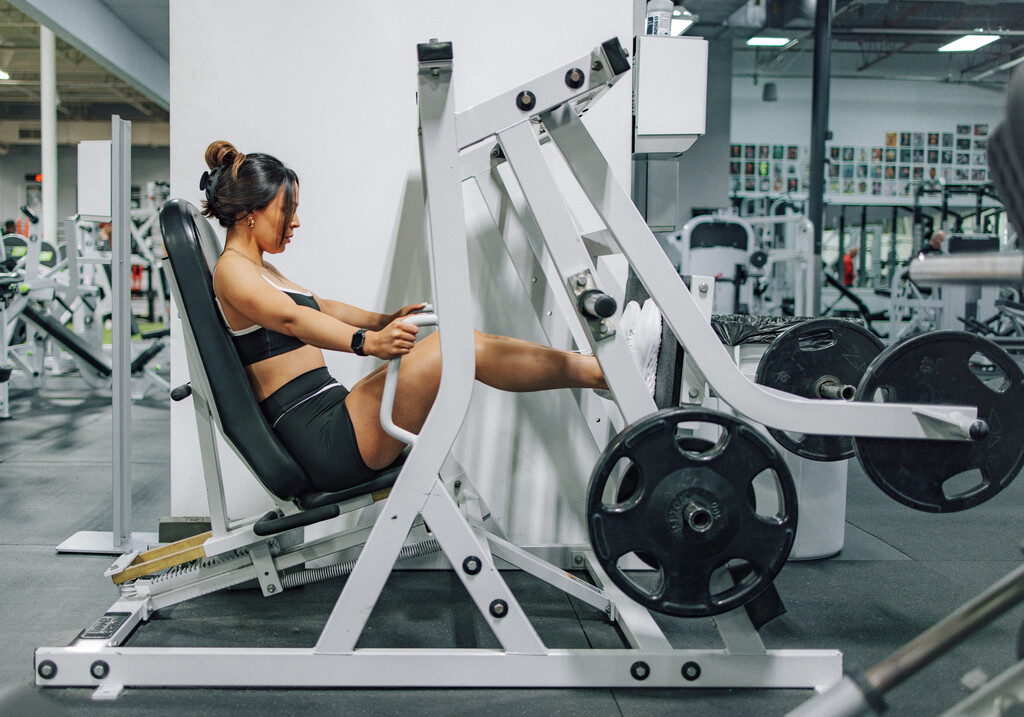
{"x": 694, "y": 393}
{"x": 703, "y": 288}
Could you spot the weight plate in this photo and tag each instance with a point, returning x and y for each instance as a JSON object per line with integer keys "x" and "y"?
{"x": 689, "y": 512}
{"x": 808, "y": 355}
{"x": 952, "y": 368}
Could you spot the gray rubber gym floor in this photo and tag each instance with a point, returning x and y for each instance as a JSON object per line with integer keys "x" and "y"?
{"x": 900, "y": 572}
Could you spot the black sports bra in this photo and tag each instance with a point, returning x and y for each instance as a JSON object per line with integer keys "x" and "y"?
{"x": 256, "y": 343}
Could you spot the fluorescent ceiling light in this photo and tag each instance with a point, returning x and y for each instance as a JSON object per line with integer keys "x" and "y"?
{"x": 682, "y": 20}
{"x": 4, "y": 75}
{"x": 968, "y": 43}
{"x": 768, "y": 41}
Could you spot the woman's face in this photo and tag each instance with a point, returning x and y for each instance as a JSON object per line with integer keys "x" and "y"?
{"x": 267, "y": 227}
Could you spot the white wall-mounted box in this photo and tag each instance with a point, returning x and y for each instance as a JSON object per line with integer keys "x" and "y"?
{"x": 670, "y": 76}
{"x": 94, "y": 178}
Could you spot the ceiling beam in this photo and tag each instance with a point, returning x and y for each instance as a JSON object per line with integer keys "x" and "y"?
{"x": 90, "y": 27}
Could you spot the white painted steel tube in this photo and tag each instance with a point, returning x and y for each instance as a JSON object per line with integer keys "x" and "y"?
{"x": 988, "y": 268}
{"x": 48, "y": 127}
{"x": 387, "y": 402}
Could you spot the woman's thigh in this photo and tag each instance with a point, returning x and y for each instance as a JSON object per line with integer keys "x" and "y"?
{"x": 418, "y": 381}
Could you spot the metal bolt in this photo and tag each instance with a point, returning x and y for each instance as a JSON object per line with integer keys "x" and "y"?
{"x": 458, "y": 484}
{"x": 604, "y": 328}
{"x": 578, "y": 559}
{"x": 99, "y": 669}
{"x": 495, "y": 152}
{"x": 694, "y": 392}
{"x": 47, "y": 669}
{"x": 472, "y": 565}
{"x": 271, "y": 589}
{"x": 703, "y": 288}
{"x": 534, "y": 281}
{"x": 596, "y": 66}
{"x": 435, "y": 72}
{"x": 581, "y": 280}
{"x": 499, "y": 608}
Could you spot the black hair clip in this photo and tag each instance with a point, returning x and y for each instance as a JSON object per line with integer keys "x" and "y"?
{"x": 209, "y": 182}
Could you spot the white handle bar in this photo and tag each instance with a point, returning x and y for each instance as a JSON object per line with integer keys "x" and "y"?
{"x": 387, "y": 402}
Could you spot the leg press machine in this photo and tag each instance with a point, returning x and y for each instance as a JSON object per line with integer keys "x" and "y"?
{"x": 499, "y": 145}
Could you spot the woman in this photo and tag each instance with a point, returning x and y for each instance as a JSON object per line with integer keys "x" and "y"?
{"x": 280, "y": 330}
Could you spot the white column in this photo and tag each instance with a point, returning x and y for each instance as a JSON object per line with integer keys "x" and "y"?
{"x": 48, "y": 115}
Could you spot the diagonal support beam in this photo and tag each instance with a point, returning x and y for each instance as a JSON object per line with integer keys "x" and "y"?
{"x": 92, "y": 28}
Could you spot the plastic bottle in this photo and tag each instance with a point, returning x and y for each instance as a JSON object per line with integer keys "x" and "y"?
{"x": 659, "y": 17}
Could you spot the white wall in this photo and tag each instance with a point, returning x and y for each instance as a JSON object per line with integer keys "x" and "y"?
{"x": 861, "y": 111}
{"x": 341, "y": 111}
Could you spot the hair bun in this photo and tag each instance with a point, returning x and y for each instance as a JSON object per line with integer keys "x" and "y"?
{"x": 221, "y": 153}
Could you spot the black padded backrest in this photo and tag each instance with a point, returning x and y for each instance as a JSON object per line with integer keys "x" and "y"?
{"x": 192, "y": 249}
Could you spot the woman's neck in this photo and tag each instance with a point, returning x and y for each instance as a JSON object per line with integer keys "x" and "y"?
{"x": 242, "y": 243}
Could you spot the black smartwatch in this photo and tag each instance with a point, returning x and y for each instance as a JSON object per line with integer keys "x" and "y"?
{"x": 358, "y": 338}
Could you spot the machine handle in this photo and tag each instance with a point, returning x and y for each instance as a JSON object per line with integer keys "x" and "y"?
{"x": 387, "y": 402}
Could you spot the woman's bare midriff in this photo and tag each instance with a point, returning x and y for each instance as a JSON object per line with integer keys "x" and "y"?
{"x": 270, "y": 374}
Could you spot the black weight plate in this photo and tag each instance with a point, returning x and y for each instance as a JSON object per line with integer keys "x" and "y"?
{"x": 800, "y": 358}
{"x": 690, "y": 513}
{"x": 952, "y": 368}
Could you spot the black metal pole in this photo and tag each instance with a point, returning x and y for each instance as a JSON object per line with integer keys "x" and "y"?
{"x": 819, "y": 130}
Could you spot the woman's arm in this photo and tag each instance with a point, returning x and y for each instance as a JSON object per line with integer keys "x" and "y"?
{"x": 241, "y": 286}
{"x": 360, "y": 317}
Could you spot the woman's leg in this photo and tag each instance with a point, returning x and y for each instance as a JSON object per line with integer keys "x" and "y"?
{"x": 501, "y": 362}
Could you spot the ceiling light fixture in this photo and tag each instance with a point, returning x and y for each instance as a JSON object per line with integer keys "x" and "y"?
{"x": 968, "y": 43}
{"x": 4, "y": 75}
{"x": 762, "y": 41}
{"x": 682, "y": 20}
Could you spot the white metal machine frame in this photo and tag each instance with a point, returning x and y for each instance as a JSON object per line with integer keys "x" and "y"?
{"x": 432, "y": 490}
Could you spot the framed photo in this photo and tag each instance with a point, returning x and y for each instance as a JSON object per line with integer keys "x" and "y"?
{"x": 876, "y": 154}
{"x": 904, "y": 172}
{"x": 764, "y": 184}
{"x": 890, "y": 155}
{"x": 891, "y": 139}
{"x": 847, "y": 154}
{"x": 791, "y": 152}
{"x": 862, "y": 171}
{"x": 847, "y": 171}
{"x": 963, "y": 143}
{"x": 946, "y": 157}
{"x": 917, "y": 139}
{"x": 981, "y": 144}
{"x": 876, "y": 171}
{"x": 792, "y": 184}
{"x": 847, "y": 186}
{"x": 876, "y": 188}
{"x": 963, "y": 129}
{"x": 980, "y": 159}
{"x": 833, "y": 169}
{"x": 918, "y": 173}
{"x": 947, "y": 139}
{"x": 735, "y": 151}
{"x": 933, "y": 156}
{"x": 904, "y": 139}
{"x": 890, "y": 172}
{"x": 833, "y": 186}
{"x": 981, "y": 130}
{"x": 778, "y": 151}
{"x": 763, "y": 151}
{"x": 734, "y": 167}
{"x": 862, "y": 187}
{"x": 833, "y": 153}
{"x": 762, "y": 169}
{"x": 979, "y": 175}
{"x": 905, "y": 156}
{"x": 750, "y": 184}
{"x": 918, "y": 157}
{"x": 963, "y": 158}
{"x": 749, "y": 151}
{"x": 933, "y": 139}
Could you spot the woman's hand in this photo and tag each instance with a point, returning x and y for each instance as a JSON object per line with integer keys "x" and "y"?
{"x": 387, "y": 319}
{"x": 394, "y": 340}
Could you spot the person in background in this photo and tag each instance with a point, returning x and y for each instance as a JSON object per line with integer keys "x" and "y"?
{"x": 934, "y": 243}
{"x": 848, "y": 272}
{"x": 10, "y": 227}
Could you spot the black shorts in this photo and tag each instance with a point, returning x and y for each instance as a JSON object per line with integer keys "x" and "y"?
{"x": 309, "y": 415}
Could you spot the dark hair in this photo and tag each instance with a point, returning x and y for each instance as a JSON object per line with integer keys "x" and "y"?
{"x": 242, "y": 183}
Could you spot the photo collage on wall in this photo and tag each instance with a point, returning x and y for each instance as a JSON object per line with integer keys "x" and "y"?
{"x": 890, "y": 169}
{"x": 768, "y": 168}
